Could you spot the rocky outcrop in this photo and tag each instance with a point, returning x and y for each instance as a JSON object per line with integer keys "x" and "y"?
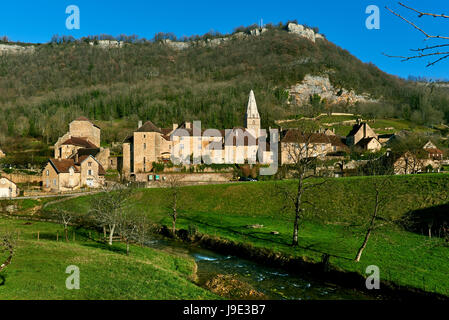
{"x": 304, "y": 32}
{"x": 291, "y": 27}
{"x": 107, "y": 43}
{"x": 15, "y": 49}
{"x": 320, "y": 85}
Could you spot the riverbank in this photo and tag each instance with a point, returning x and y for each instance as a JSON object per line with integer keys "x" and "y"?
{"x": 406, "y": 259}
{"x": 321, "y": 272}
{"x": 38, "y": 268}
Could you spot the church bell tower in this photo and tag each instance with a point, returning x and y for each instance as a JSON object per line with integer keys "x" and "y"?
{"x": 252, "y": 118}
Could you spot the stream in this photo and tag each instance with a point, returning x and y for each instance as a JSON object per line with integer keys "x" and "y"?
{"x": 274, "y": 283}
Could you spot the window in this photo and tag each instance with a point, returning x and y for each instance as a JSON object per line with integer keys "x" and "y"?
{"x": 144, "y": 146}
{"x": 54, "y": 182}
{"x": 89, "y": 172}
{"x": 48, "y": 172}
{"x": 90, "y": 164}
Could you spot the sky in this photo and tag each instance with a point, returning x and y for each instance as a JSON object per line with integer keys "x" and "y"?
{"x": 343, "y": 22}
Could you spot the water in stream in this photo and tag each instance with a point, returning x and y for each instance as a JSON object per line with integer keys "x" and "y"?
{"x": 274, "y": 283}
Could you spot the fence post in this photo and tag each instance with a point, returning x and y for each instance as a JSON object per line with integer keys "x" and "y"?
{"x": 73, "y": 236}
{"x": 38, "y": 236}
{"x": 57, "y": 235}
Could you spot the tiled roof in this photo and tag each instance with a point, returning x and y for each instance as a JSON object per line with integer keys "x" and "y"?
{"x": 79, "y": 142}
{"x": 87, "y": 152}
{"x": 63, "y": 165}
{"x": 149, "y": 127}
{"x": 434, "y": 151}
{"x": 355, "y": 129}
{"x": 82, "y": 119}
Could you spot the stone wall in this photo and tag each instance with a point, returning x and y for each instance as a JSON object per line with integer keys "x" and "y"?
{"x": 22, "y": 178}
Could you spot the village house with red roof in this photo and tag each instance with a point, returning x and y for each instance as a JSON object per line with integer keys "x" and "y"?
{"x": 78, "y": 161}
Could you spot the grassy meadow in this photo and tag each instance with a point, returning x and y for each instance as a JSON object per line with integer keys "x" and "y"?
{"x": 334, "y": 225}
{"x": 38, "y": 268}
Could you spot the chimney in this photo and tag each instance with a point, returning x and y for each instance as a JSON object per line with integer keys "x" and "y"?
{"x": 175, "y": 126}
{"x": 188, "y": 125}
{"x": 139, "y": 124}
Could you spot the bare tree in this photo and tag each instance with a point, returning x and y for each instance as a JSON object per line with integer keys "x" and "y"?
{"x": 380, "y": 194}
{"x": 438, "y": 51}
{"x": 7, "y": 244}
{"x": 108, "y": 208}
{"x": 173, "y": 184}
{"x": 65, "y": 217}
{"x": 302, "y": 153}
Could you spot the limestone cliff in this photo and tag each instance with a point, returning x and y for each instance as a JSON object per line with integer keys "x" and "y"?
{"x": 15, "y": 49}
{"x": 320, "y": 85}
{"x": 293, "y": 28}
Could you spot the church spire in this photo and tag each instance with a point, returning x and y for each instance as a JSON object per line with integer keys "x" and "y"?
{"x": 251, "y": 111}
{"x": 252, "y": 114}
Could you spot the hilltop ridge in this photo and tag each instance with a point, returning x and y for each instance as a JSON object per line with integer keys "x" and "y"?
{"x": 292, "y": 68}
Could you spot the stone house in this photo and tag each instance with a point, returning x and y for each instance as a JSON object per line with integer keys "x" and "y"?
{"x": 8, "y": 189}
{"x": 433, "y": 152}
{"x": 364, "y": 137}
{"x": 61, "y": 175}
{"x": 409, "y": 163}
{"x": 2, "y": 154}
{"x": 295, "y": 144}
{"x": 82, "y": 135}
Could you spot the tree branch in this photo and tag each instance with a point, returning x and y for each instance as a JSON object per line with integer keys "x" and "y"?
{"x": 420, "y": 13}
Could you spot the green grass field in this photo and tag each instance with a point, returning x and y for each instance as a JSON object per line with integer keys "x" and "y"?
{"x": 333, "y": 226}
{"x": 38, "y": 268}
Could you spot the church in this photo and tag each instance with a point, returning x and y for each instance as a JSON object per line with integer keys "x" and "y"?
{"x": 150, "y": 144}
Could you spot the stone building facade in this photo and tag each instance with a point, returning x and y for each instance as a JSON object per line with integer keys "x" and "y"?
{"x": 149, "y": 144}
{"x": 296, "y": 145}
{"x": 363, "y": 137}
{"x": 82, "y": 135}
{"x": 60, "y": 175}
{"x": 8, "y": 189}
{"x": 78, "y": 161}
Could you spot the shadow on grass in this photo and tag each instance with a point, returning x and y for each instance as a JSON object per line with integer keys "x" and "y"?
{"x": 238, "y": 230}
{"x": 104, "y": 246}
{"x": 432, "y": 219}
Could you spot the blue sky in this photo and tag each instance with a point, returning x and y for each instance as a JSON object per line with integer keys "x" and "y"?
{"x": 343, "y": 22}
